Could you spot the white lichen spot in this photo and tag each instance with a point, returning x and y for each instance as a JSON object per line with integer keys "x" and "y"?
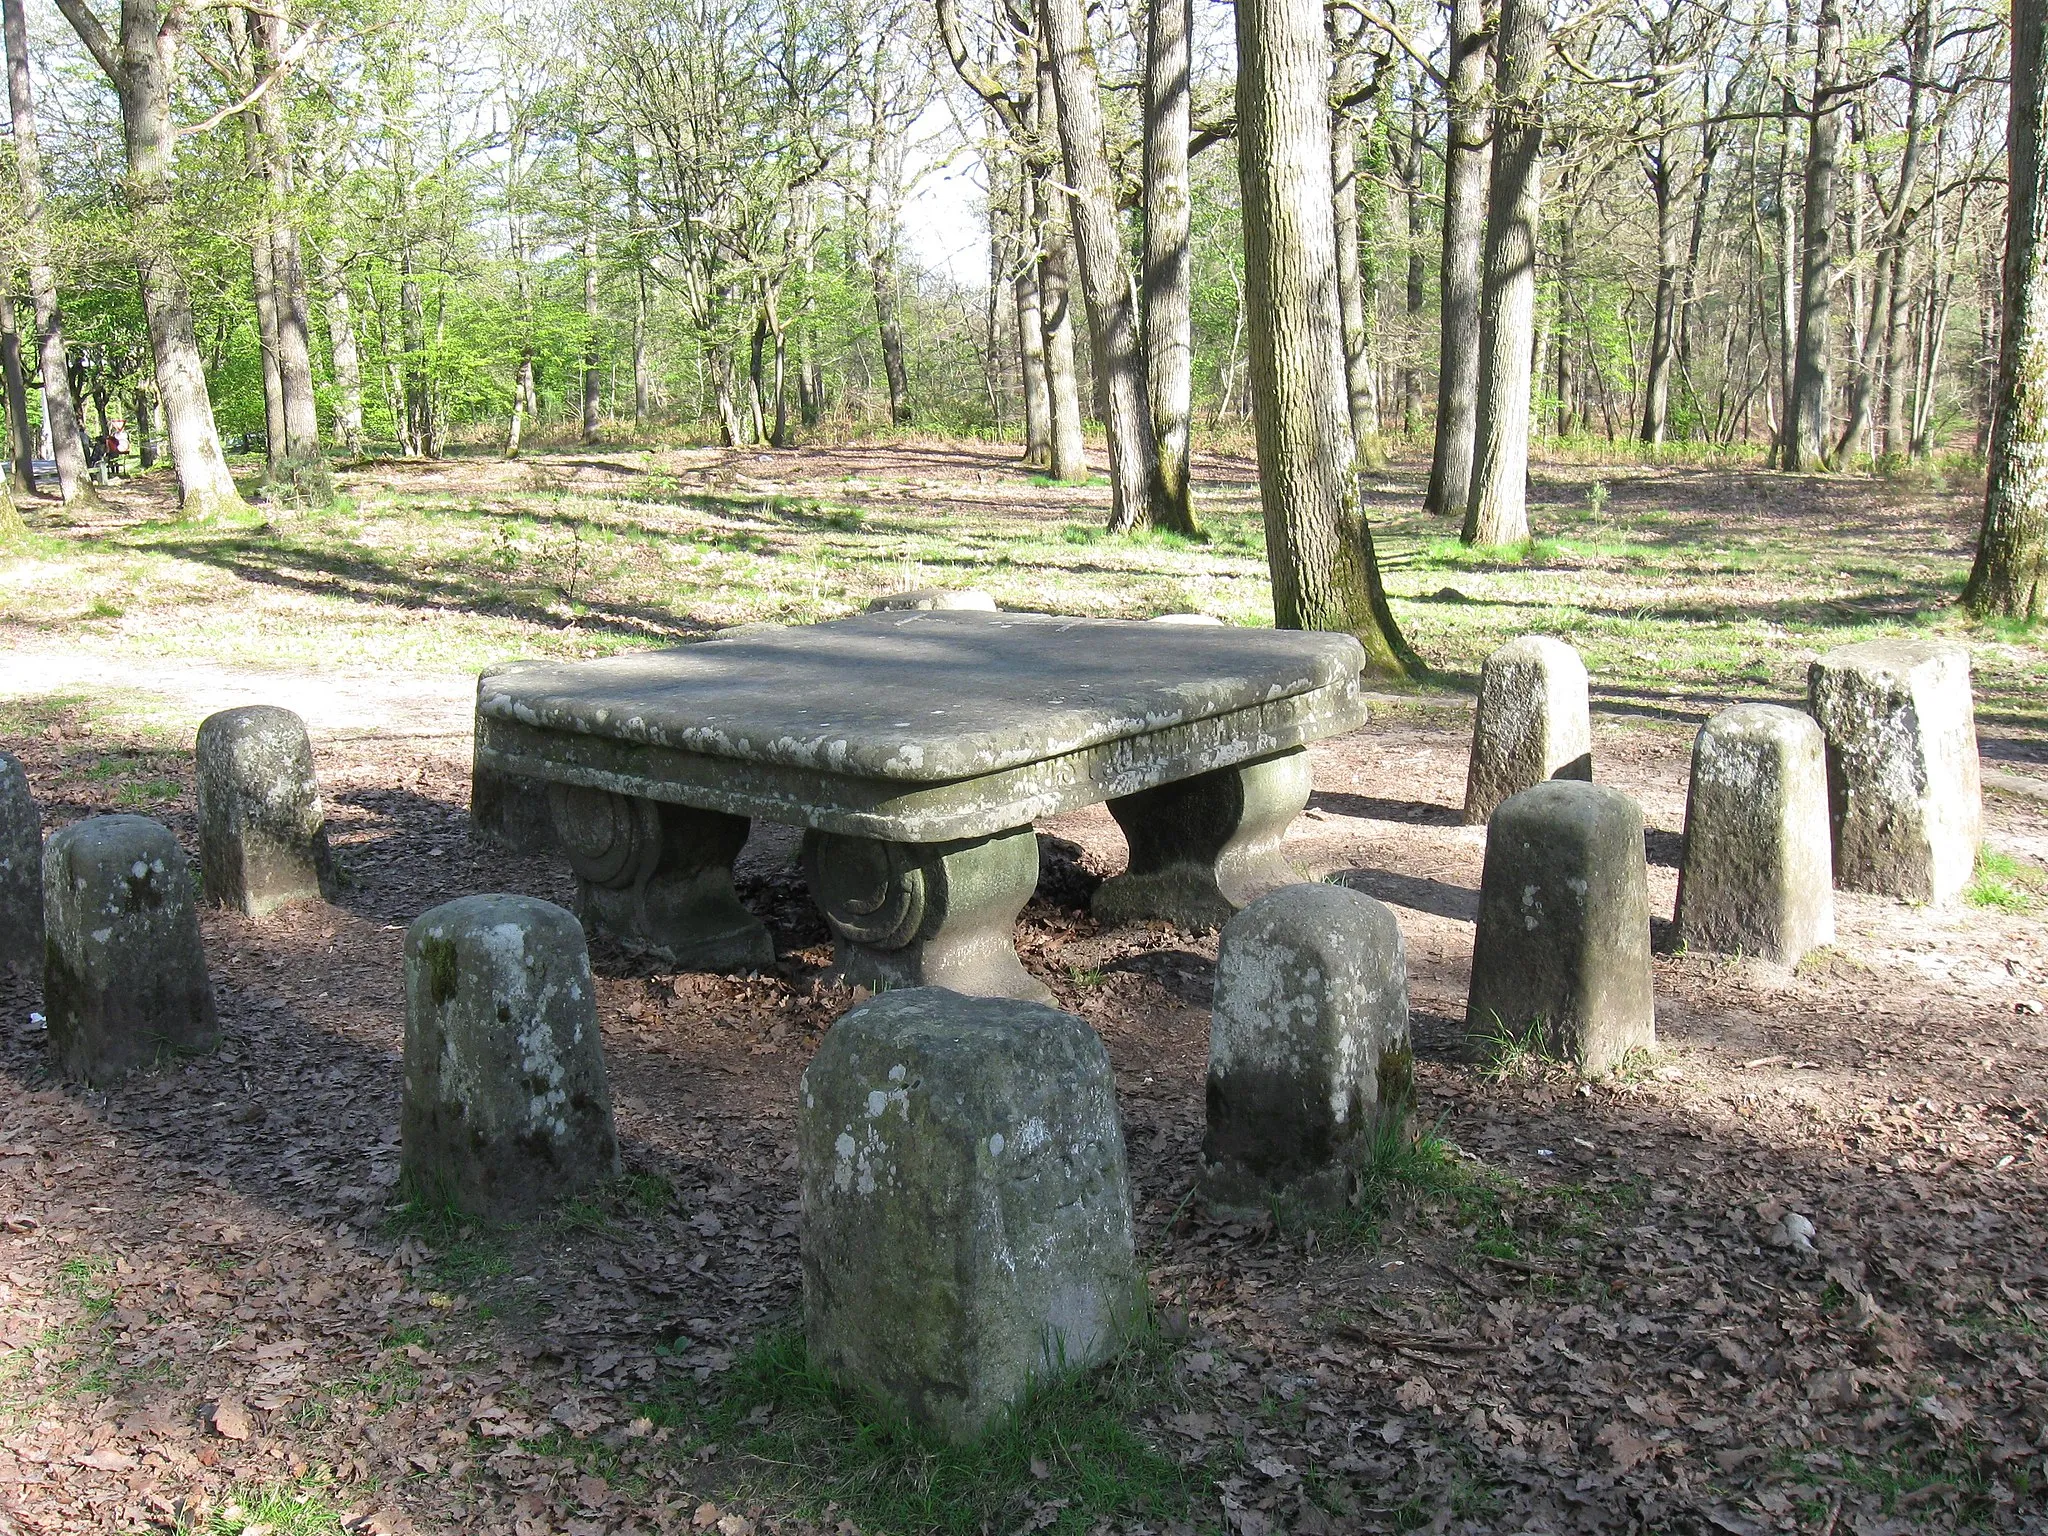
{"x": 138, "y": 869}
{"x": 995, "y": 1145}
{"x": 877, "y": 1102}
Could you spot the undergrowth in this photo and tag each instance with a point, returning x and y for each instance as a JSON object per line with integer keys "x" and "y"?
{"x": 1067, "y": 1459}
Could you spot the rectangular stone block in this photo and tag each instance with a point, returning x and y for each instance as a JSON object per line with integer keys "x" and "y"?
{"x": 966, "y": 1205}
{"x": 1903, "y": 790}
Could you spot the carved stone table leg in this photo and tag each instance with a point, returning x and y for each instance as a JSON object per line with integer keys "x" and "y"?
{"x": 658, "y": 877}
{"x": 1204, "y": 848}
{"x": 927, "y": 914}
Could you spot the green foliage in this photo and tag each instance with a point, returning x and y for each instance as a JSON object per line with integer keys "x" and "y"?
{"x": 2003, "y": 883}
{"x": 1072, "y": 1449}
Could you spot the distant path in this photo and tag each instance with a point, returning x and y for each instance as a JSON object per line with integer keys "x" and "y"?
{"x": 336, "y": 706}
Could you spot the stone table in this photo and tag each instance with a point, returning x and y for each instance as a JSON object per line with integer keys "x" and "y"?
{"x": 916, "y": 749}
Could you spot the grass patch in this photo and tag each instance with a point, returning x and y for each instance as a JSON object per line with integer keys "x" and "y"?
{"x": 302, "y": 1509}
{"x": 2002, "y": 883}
{"x": 1070, "y": 1457}
{"x": 464, "y": 1252}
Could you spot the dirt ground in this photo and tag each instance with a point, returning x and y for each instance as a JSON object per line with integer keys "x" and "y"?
{"x": 210, "y": 1295}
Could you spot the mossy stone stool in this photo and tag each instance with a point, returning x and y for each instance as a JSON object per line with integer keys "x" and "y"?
{"x": 1308, "y": 1048}
{"x": 1561, "y": 958}
{"x": 966, "y": 1206}
{"x": 124, "y": 977}
{"x": 506, "y": 1108}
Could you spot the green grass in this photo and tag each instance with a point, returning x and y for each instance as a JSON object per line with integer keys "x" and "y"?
{"x": 295, "y": 1509}
{"x": 2003, "y": 883}
{"x": 1683, "y": 576}
{"x": 798, "y": 1437}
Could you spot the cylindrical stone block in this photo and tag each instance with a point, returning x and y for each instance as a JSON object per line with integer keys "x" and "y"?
{"x": 262, "y": 836}
{"x": 1561, "y": 959}
{"x": 966, "y": 1207}
{"x": 21, "y": 872}
{"x": 1532, "y": 723}
{"x": 124, "y": 977}
{"x": 506, "y": 1104}
{"x": 1308, "y": 1048}
{"x": 1756, "y": 877}
{"x": 1903, "y": 791}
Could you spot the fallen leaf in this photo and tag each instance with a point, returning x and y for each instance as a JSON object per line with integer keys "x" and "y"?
{"x": 107, "y": 1459}
{"x": 231, "y": 1419}
{"x": 1626, "y": 1446}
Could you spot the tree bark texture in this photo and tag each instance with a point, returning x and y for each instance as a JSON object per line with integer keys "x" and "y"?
{"x": 1497, "y": 511}
{"x": 1810, "y": 440}
{"x": 2011, "y": 567}
{"x": 301, "y": 419}
{"x": 1468, "y": 150}
{"x": 1169, "y": 272}
{"x": 140, "y": 66}
{"x": 1031, "y": 327}
{"x": 59, "y": 410}
{"x": 889, "y": 321}
{"x": 21, "y": 446}
{"x": 1351, "y": 295}
{"x": 1105, "y": 276}
{"x": 1664, "y": 309}
{"x": 1319, "y": 547}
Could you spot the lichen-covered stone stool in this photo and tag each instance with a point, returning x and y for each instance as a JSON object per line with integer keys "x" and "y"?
{"x": 124, "y": 977}
{"x": 1532, "y": 723}
{"x": 21, "y": 872}
{"x": 1756, "y": 878}
{"x": 262, "y": 835}
{"x": 1561, "y": 959}
{"x": 966, "y": 1206}
{"x": 934, "y": 600}
{"x": 506, "y": 1104}
{"x": 1903, "y": 788}
{"x": 1308, "y": 1048}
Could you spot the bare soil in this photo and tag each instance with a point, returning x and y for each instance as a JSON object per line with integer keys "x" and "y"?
{"x": 207, "y": 1286}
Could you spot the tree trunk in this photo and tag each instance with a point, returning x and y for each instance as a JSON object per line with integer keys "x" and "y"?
{"x": 261, "y": 263}
{"x": 1897, "y": 376}
{"x": 1031, "y": 326}
{"x": 145, "y": 430}
{"x": 889, "y": 322}
{"x": 1318, "y": 545}
{"x": 1169, "y": 280}
{"x": 642, "y": 388}
{"x": 1416, "y": 294}
{"x": 140, "y": 67}
{"x": 1062, "y": 378}
{"x": 1788, "y": 254}
{"x": 22, "y": 444}
{"x": 2007, "y": 577}
{"x": 292, "y": 328}
{"x": 1498, "y": 512}
{"x": 59, "y": 411}
{"x": 592, "y": 379}
{"x": 1105, "y": 276}
{"x": 1664, "y": 311}
{"x": 1467, "y": 149}
{"x": 1351, "y": 296}
{"x": 1810, "y": 439}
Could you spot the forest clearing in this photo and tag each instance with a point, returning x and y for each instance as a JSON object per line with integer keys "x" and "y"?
{"x": 1571, "y": 1307}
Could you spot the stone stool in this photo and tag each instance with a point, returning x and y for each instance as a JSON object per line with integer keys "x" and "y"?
{"x": 966, "y": 1208}
{"x": 510, "y": 811}
{"x": 1903, "y": 793}
{"x": 1308, "y": 1048}
{"x": 506, "y": 1104}
{"x": 1756, "y": 878}
{"x": 1562, "y": 953}
{"x": 21, "y": 872}
{"x": 928, "y": 599}
{"x": 1532, "y": 723}
{"x": 124, "y": 978}
{"x": 262, "y": 837}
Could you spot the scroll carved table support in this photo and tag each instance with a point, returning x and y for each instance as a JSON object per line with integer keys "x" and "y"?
{"x": 658, "y": 877}
{"x": 1204, "y": 848}
{"x": 927, "y": 914}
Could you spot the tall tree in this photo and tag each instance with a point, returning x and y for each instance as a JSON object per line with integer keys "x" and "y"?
{"x": 59, "y": 410}
{"x": 1468, "y": 149}
{"x": 1497, "y": 511}
{"x": 1319, "y": 546}
{"x": 1168, "y": 278}
{"x": 2011, "y": 567}
{"x": 1135, "y": 496}
{"x": 143, "y": 69}
{"x": 1810, "y": 441}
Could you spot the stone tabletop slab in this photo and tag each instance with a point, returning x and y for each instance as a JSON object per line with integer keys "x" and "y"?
{"x": 920, "y": 725}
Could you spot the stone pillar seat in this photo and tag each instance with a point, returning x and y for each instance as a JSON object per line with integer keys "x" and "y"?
{"x": 1531, "y": 723}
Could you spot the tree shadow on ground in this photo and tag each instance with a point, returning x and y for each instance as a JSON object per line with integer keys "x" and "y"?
{"x": 1418, "y": 893}
{"x": 1422, "y": 813}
